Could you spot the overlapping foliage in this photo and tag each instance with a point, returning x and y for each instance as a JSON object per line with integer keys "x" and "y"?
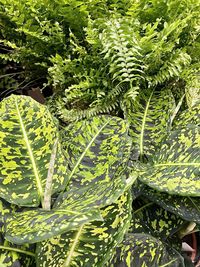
{"x": 90, "y": 167}
{"x": 91, "y": 213}
{"x": 117, "y": 189}
{"x": 112, "y": 52}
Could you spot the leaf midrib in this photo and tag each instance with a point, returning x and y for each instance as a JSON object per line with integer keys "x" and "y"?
{"x": 178, "y": 164}
{"x": 143, "y": 125}
{"x": 86, "y": 149}
{"x": 37, "y": 177}
{"x": 72, "y": 249}
{"x": 29, "y": 253}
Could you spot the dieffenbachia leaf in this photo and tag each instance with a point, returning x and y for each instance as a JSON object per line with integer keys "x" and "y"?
{"x": 137, "y": 189}
{"x": 98, "y": 150}
{"x": 27, "y": 137}
{"x": 176, "y": 166}
{"x": 188, "y": 117}
{"x": 145, "y": 251}
{"x": 154, "y": 220}
{"x": 12, "y": 255}
{"x": 92, "y": 244}
{"x": 185, "y": 207}
{"x": 96, "y": 176}
{"x": 149, "y": 117}
{"x": 6, "y": 209}
{"x": 39, "y": 224}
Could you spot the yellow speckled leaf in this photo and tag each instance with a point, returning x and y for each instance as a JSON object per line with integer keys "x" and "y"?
{"x": 188, "y": 117}
{"x": 12, "y": 255}
{"x": 37, "y": 225}
{"x": 185, "y": 207}
{"x": 27, "y": 137}
{"x": 176, "y": 166}
{"x": 143, "y": 250}
{"x": 93, "y": 243}
{"x": 152, "y": 219}
{"x": 97, "y": 150}
{"x": 149, "y": 118}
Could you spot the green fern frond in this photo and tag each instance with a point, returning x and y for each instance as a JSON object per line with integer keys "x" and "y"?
{"x": 69, "y": 115}
{"x": 171, "y": 68}
{"x": 132, "y": 93}
{"x": 105, "y": 105}
{"x": 77, "y": 91}
{"x": 122, "y": 51}
{"x": 75, "y": 44}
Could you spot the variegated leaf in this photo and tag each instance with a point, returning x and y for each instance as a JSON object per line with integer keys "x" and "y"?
{"x": 137, "y": 189}
{"x": 6, "y": 209}
{"x": 176, "y": 167}
{"x": 154, "y": 220}
{"x": 92, "y": 244}
{"x": 98, "y": 150}
{"x": 12, "y": 255}
{"x": 149, "y": 118}
{"x": 185, "y": 207}
{"x": 39, "y": 224}
{"x": 188, "y": 117}
{"x": 27, "y": 137}
{"x": 143, "y": 250}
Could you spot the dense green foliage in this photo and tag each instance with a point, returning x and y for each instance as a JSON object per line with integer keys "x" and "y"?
{"x": 114, "y": 50}
{"x": 74, "y": 186}
{"x": 62, "y": 185}
{"x": 107, "y": 172}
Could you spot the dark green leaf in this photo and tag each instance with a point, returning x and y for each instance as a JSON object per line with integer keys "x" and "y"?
{"x": 143, "y": 250}
{"x": 175, "y": 167}
{"x": 185, "y": 207}
{"x": 27, "y": 136}
{"x": 149, "y": 118}
{"x": 37, "y": 225}
{"x": 12, "y": 255}
{"x": 152, "y": 219}
{"x": 137, "y": 189}
{"x": 98, "y": 151}
{"x": 93, "y": 243}
{"x": 188, "y": 117}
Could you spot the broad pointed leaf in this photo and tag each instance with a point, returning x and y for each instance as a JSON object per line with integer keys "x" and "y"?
{"x": 185, "y": 207}
{"x": 188, "y": 117}
{"x": 39, "y": 224}
{"x": 176, "y": 167}
{"x": 98, "y": 150}
{"x": 143, "y": 250}
{"x": 92, "y": 244}
{"x": 12, "y": 255}
{"x": 97, "y": 170}
{"x": 154, "y": 220}
{"x": 27, "y": 136}
{"x": 6, "y": 209}
{"x": 149, "y": 117}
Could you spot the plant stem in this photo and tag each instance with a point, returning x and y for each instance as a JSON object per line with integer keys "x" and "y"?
{"x": 18, "y": 250}
{"x": 143, "y": 207}
{"x": 47, "y": 193}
